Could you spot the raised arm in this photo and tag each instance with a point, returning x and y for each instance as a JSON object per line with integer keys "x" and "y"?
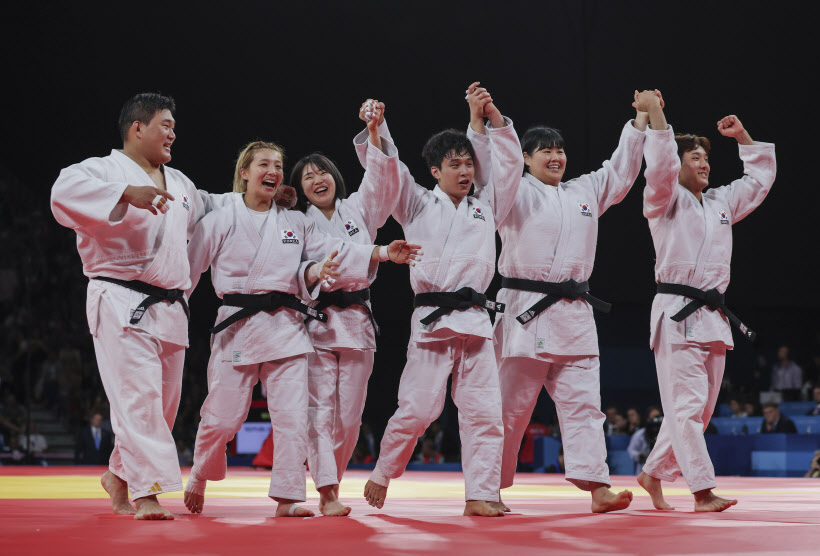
{"x": 661, "y": 154}
{"x": 84, "y": 196}
{"x": 759, "y": 169}
{"x": 506, "y": 162}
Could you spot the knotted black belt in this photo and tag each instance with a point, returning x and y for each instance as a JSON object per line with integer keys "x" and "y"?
{"x": 255, "y": 303}
{"x": 447, "y": 302}
{"x": 343, "y": 300}
{"x": 554, "y": 291}
{"x": 712, "y": 299}
{"x": 155, "y": 295}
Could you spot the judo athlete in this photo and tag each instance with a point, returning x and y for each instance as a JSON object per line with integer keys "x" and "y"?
{"x": 345, "y": 344}
{"x": 133, "y": 216}
{"x": 261, "y": 257}
{"x": 547, "y": 336}
{"x": 450, "y": 329}
{"x": 692, "y": 232}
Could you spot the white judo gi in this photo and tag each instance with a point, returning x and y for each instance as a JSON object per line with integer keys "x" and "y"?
{"x": 340, "y": 367}
{"x": 271, "y": 346}
{"x": 550, "y": 235}
{"x": 693, "y": 247}
{"x": 459, "y": 251}
{"x": 140, "y": 364}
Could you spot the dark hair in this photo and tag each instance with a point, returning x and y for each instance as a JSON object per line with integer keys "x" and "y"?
{"x": 321, "y": 162}
{"x": 142, "y": 108}
{"x": 439, "y": 146}
{"x": 540, "y": 137}
{"x": 688, "y": 142}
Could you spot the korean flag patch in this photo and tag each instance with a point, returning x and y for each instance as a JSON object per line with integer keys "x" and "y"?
{"x": 351, "y": 228}
{"x": 185, "y": 202}
{"x": 585, "y": 209}
{"x": 478, "y": 214}
{"x": 289, "y": 236}
{"x": 724, "y": 217}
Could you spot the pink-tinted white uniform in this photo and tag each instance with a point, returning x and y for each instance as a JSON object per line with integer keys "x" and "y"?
{"x": 271, "y": 346}
{"x": 550, "y": 235}
{"x": 340, "y": 367}
{"x": 140, "y": 364}
{"x": 693, "y": 246}
{"x": 459, "y": 251}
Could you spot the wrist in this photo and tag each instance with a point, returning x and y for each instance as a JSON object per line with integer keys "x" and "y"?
{"x": 384, "y": 253}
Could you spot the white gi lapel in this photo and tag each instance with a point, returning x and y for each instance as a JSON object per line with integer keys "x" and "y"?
{"x": 261, "y": 244}
{"x": 450, "y": 213}
{"x": 706, "y": 242}
{"x": 567, "y": 207}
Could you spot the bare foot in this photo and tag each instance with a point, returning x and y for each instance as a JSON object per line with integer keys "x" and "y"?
{"x": 375, "y": 494}
{"x": 329, "y": 503}
{"x": 500, "y": 506}
{"x": 604, "y": 500}
{"x": 653, "y": 487}
{"x": 149, "y": 508}
{"x": 707, "y": 501}
{"x": 481, "y": 508}
{"x": 289, "y": 508}
{"x": 117, "y": 490}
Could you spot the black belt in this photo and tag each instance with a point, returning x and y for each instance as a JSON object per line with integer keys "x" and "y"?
{"x": 343, "y": 300}
{"x": 712, "y": 299}
{"x": 155, "y": 295}
{"x": 447, "y": 302}
{"x": 271, "y": 301}
{"x": 554, "y": 291}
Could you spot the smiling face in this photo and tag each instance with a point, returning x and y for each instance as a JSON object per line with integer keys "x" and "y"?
{"x": 153, "y": 140}
{"x": 263, "y": 175}
{"x": 547, "y": 165}
{"x": 694, "y": 170}
{"x": 318, "y": 186}
{"x": 455, "y": 175}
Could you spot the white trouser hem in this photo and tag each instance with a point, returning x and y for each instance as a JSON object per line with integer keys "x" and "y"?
{"x": 704, "y": 486}
{"x": 582, "y": 481}
{"x": 378, "y": 477}
{"x": 142, "y": 493}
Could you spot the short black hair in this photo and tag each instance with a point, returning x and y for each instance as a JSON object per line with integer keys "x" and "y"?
{"x": 321, "y": 162}
{"x": 541, "y": 137}
{"x": 440, "y": 145}
{"x": 141, "y": 108}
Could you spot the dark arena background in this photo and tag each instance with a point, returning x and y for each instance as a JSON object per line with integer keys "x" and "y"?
{"x": 296, "y": 73}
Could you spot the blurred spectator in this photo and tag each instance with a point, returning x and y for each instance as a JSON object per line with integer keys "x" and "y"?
{"x": 814, "y": 468}
{"x": 816, "y": 400}
{"x": 366, "y": 436}
{"x": 615, "y": 422}
{"x": 737, "y": 409}
{"x": 633, "y": 421}
{"x": 773, "y": 421}
{"x": 361, "y": 453}
{"x": 94, "y": 444}
{"x": 558, "y": 465}
{"x": 526, "y": 456}
{"x": 642, "y": 442}
{"x": 750, "y": 409}
{"x": 34, "y": 439}
{"x": 787, "y": 376}
{"x": 11, "y": 416}
{"x": 429, "y": 453}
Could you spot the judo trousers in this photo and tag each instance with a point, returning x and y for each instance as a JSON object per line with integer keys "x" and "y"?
{"x": 142, "y": 377}
{"x": 337, "y": 382}
{"x": 689, "y": 377}
{"x": 225, "y": 409}
{"x": 573, "y": 383}
{"x": 475, "y": 391}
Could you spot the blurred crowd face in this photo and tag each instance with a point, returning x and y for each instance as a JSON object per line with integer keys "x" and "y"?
{"x": 771, "y": 414}
{"x": 816, "y": 394}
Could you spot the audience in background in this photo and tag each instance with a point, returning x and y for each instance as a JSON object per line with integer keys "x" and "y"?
{"x": 816, "y": 399}
{"x": 773, "y": 421}
{"x": 94, "y": 443}
{"x": 737, "y": 409}
{"x": 526, "y": 456}
{"x": 787, "y": 376}
{"x": 814, "y": 468}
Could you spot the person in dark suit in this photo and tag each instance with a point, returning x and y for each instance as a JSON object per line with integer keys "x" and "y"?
{"x": 773, "y": 421}
{"x": 94, "y": 444}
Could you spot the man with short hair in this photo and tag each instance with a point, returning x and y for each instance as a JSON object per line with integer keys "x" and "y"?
{"x": 787, "y": 376}
{"x": 94, "y": 444}
{"x": 774, "y": 421}
{"x": 133, "y": 216}
{"x": 451, "y": 331}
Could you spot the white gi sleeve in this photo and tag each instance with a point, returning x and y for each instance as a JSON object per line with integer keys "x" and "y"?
{"x": 361, "y": 140}
{"x": 745, "y": 194}
{"x": 83, "y": 196}
{"x": 483, "y": 158}
{"x": 662, "y": 169}
{"x": 380, "y": 187}
{"x": 207, "y": 202}
{"x": 614, "y": 180}
{"x": 506, "y": 167}
{"x": 205, "y": 243}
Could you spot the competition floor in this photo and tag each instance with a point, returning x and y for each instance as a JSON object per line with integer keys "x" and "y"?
{"x": 65, "y": 511}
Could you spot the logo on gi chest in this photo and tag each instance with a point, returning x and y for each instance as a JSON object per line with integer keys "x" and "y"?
{"x": 724, "y": 217}
{"x": 351, "y": 227}
{"x": 185, "y": 202}
{"x": 585, "y": 209}
{"x": 477, "y": 213}
{"x": 289, "y": 236}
